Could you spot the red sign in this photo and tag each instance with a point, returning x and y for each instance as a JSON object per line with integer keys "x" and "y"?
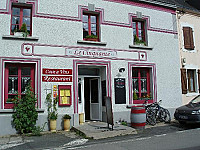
{"x": 57, "y": 71}
{"x": 57, "y": 78}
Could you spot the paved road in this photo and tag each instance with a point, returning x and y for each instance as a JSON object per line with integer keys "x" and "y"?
{"x": 179, "y": 140}
{"x": 173, "y": 136}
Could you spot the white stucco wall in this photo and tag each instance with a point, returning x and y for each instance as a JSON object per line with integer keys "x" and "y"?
{"x": 63, "y": 32}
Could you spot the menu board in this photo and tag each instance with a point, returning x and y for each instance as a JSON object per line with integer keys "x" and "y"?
{"x": 120, "y": 91}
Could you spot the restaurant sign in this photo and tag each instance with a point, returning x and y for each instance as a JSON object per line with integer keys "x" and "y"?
{"x": 57, "y": 78}
{"x": 57, "y": 71}
{"x": 57, "y": 75}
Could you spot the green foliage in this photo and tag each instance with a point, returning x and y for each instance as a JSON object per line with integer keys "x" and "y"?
{"x": 124, "y": 123}
{"x": 91, "y": 36}
{"x": 37, "y": 130}
{"x": 66, "y": 116}
{"x": 25, "y": 116}
{"x": 52, "y": 107}
{"x": 135, "y": 97}
{"x": 137, "y": 41}
{"x": 23, "y": 29}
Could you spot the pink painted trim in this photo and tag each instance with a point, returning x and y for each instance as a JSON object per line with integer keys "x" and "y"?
{"x": 37, "y": 61}
{"x": 146, "y": 65}
{"x": 74, "y": 47}
{"x": 81, "y": 8}
{"x": 76, "y": 63}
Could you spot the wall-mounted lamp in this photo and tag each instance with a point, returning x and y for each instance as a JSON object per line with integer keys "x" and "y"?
{"x": 183, "y": 61}
{"x": 121, "y": 70}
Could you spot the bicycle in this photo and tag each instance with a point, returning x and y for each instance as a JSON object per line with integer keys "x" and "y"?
{"x": 154, "y": 113}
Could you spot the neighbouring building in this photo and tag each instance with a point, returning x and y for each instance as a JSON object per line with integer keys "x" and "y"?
{"x": 188, "y": 21}
{"x": 85, "y": 50}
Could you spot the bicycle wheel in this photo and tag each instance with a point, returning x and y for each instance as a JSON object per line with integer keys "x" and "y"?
{"x": 161, "y": 114}
{"x": 167, "y": 116}
{"x": 150, "y": 117}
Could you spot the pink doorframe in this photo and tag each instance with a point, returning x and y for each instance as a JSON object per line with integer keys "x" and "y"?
{"x": 76, "y": 63}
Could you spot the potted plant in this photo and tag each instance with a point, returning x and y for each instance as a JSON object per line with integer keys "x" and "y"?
{"x": 91, "y": 38}
{"x": 66, "y": 119}
{"x": 22, "y": 31}
{"x": 137, "y": 41}
{"x": 135, "y": 97}
{"x": 52, "y": 111}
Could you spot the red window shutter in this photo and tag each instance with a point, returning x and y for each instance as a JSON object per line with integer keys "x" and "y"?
{"x": 183, "y": 81}
{"x": 199, "y": 79}
{"x": 188, "y": 38}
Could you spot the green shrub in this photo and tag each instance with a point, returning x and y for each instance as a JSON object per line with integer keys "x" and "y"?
{"x": 66, "y": 116}
{"x": 25, "y": 116}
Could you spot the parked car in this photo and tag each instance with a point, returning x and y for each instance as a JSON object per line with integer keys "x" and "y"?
{"x": 189, "y": 113}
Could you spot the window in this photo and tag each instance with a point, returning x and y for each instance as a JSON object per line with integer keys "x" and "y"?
{"x": 90, "y": 27}
{"x": 188, "y": 81}
{"x": 21, "y": 15}
{"x": 141, "y": 84}
{"x": 139, "y": 32}
{"x": 17, "y": 77}
{"x": 191, "y": 80}
{"x": 188, "y": 38}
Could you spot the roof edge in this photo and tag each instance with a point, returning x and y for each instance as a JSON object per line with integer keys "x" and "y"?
{"x": 158, "y": 3}
{"x": 187, "y": 10}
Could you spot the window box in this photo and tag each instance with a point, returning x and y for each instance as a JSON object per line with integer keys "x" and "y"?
{"x": 91, "y": 39}
{"x": 18, "y": 33}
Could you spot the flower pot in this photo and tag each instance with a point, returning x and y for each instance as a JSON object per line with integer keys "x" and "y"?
{"x": 81, "y": 118}
{"x": 66, "y": 124}
{"x": 18, "y": 33}
{"x": 53, "y": 125}
{"x": 91, "y": 39}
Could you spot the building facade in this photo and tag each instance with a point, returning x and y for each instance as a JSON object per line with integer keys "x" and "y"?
{"x": 83, "y": 51}
{"x": 188, "y": 19}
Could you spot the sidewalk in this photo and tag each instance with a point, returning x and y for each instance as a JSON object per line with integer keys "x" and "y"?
{"x": 91, "y": 130}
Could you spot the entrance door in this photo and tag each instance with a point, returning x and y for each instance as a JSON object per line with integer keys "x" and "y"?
{"x": 95, "y": 99}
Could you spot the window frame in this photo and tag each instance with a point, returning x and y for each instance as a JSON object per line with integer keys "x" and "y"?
{"x": 21, "y": 17}
{"x": 189, "y": 71}
{"x": 19, "y": 66}
{"x": 143, "y": 28}
{"x": 89, "y": 14}
{"x": 148, "y": 70}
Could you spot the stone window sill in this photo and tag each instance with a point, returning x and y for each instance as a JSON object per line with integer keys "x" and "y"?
{"x": 11, "y": 110}
{"x": 140, "y": 47}
{"x": 92, "y": 42}
{"x": 13, "y": 37}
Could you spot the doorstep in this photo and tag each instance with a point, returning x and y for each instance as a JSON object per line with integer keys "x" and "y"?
{"x": 99, "y": 130}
